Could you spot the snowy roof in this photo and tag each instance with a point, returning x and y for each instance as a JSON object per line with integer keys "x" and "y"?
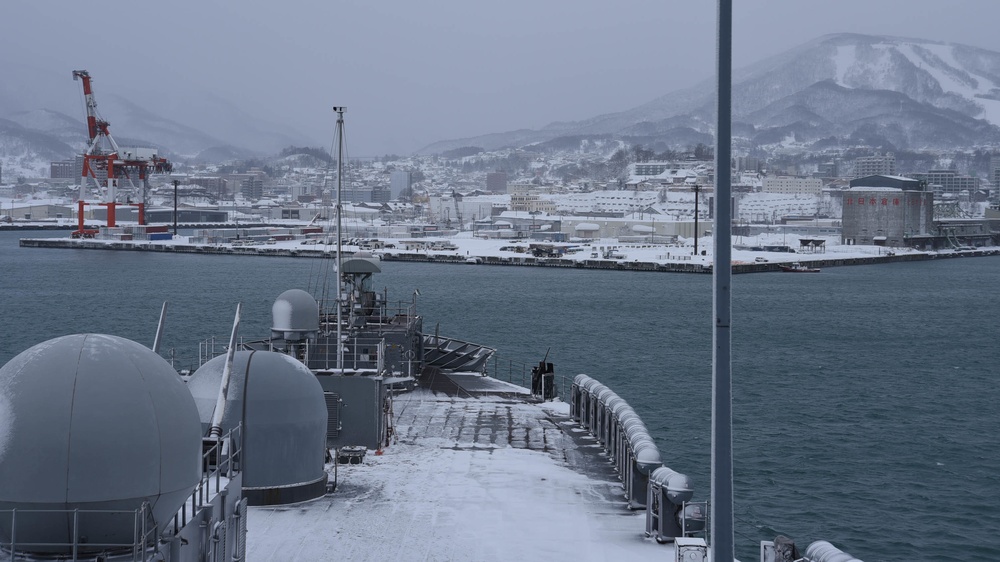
{"x": 873, "y": 188}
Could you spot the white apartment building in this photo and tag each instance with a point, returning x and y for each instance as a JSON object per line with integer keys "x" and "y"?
{"x": 790, "y": 185}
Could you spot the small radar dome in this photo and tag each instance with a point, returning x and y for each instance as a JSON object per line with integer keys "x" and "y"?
{"x": 93, "y": 422}
{"x": 295, "y": 316}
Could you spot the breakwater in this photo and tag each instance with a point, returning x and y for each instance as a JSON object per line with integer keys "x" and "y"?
{"x": 265, "y": 250}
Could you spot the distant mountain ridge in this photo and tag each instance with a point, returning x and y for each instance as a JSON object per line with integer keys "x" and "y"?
{"x": 899, "y": 92}
{"x": 42, "y": 119}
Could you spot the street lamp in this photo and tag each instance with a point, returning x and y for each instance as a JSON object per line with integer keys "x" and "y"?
{"x": 697, "y": 190}
{"x": 175, "y": 207}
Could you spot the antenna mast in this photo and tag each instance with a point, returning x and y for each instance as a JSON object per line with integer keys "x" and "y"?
{"x": 339, "y": 209}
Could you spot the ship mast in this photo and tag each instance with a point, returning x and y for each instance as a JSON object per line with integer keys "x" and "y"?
{"x": 340, "y": 259}
{"x": 722, "y": 272}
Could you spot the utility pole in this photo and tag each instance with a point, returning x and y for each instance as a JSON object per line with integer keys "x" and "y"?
{"x": 175, "y": 206}
{"x": 697, "y": 190}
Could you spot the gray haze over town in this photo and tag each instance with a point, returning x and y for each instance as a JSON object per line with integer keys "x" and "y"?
{"x": 412, "y": 73}
{"x": 856, "y": 127}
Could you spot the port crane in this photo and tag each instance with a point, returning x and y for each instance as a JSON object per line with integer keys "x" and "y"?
{"x": 108, "y": 165}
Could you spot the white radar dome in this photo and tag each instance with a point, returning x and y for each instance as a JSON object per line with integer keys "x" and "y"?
{"x": 295, "y": 316}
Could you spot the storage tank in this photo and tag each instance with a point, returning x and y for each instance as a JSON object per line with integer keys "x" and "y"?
{"x": 284, "y": 423}
{"x": 93, "y": 422}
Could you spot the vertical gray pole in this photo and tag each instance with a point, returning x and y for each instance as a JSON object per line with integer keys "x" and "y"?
{"x": 175, "y": 207}
{"x": 722, "y": 376}
{"x": 697, "y": 189}
{"x": 340, "y": 260}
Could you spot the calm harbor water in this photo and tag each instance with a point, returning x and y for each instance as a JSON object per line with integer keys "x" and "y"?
{"x": 866, "y": 401}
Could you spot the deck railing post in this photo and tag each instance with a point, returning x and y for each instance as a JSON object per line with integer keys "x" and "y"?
{"x": 13, "y": 533}
{"x": 76, "y": 532}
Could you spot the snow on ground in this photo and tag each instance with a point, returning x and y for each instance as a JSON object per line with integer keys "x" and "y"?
{"x": 681, "y": 252}
{"x": 470, "y": 479}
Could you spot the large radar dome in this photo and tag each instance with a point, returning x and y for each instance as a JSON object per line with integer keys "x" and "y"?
{"x": 283, "y": 411}
{"x": 93, "y": 422}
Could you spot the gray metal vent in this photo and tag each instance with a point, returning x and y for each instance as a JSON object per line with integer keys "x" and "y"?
{"x": 333, "y": 411}
{"x": 219, "y": 542}
{"x": 241, "y": 537}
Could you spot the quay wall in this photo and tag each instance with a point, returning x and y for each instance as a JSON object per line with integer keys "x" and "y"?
{"x": 523, "y": 261}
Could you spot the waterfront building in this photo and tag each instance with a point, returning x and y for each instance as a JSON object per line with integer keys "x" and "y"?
{"x": 887, "y": 211}
{"x": 39, "y": 212}
{"x": 772, "y": 208}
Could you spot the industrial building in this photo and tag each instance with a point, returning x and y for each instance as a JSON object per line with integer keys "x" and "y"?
{"x": 185, "y": 215}
{"x": 888, "y": 211}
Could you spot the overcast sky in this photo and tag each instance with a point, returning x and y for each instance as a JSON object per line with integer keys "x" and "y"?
{"x": 414, "y": 72}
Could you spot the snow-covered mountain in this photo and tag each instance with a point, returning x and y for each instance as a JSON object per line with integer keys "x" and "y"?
{"x": 886, "y": 91}
{"x": 26, "y": 152}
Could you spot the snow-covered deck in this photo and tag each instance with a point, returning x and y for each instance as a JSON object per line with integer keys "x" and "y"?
{"x": 484, "y": 478}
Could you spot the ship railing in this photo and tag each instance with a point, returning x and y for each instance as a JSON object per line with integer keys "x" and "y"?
{"x": 144, "y": 533}
{"x": 519, "y": 373}
{"x": 211, "y": 347}
{"x": 382, "y": 312}
{"x": 649, "y": 485}
{"x": 220, "y": 461}
{"x": 362, "y": 352}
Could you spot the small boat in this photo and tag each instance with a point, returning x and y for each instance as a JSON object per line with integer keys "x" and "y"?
{"x": 799, "y": 268}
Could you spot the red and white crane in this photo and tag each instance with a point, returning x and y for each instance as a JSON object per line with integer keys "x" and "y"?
{"x": 108, "y": 165}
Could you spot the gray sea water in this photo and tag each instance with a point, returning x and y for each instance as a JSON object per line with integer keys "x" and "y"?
{"x": 865, "y": 398}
